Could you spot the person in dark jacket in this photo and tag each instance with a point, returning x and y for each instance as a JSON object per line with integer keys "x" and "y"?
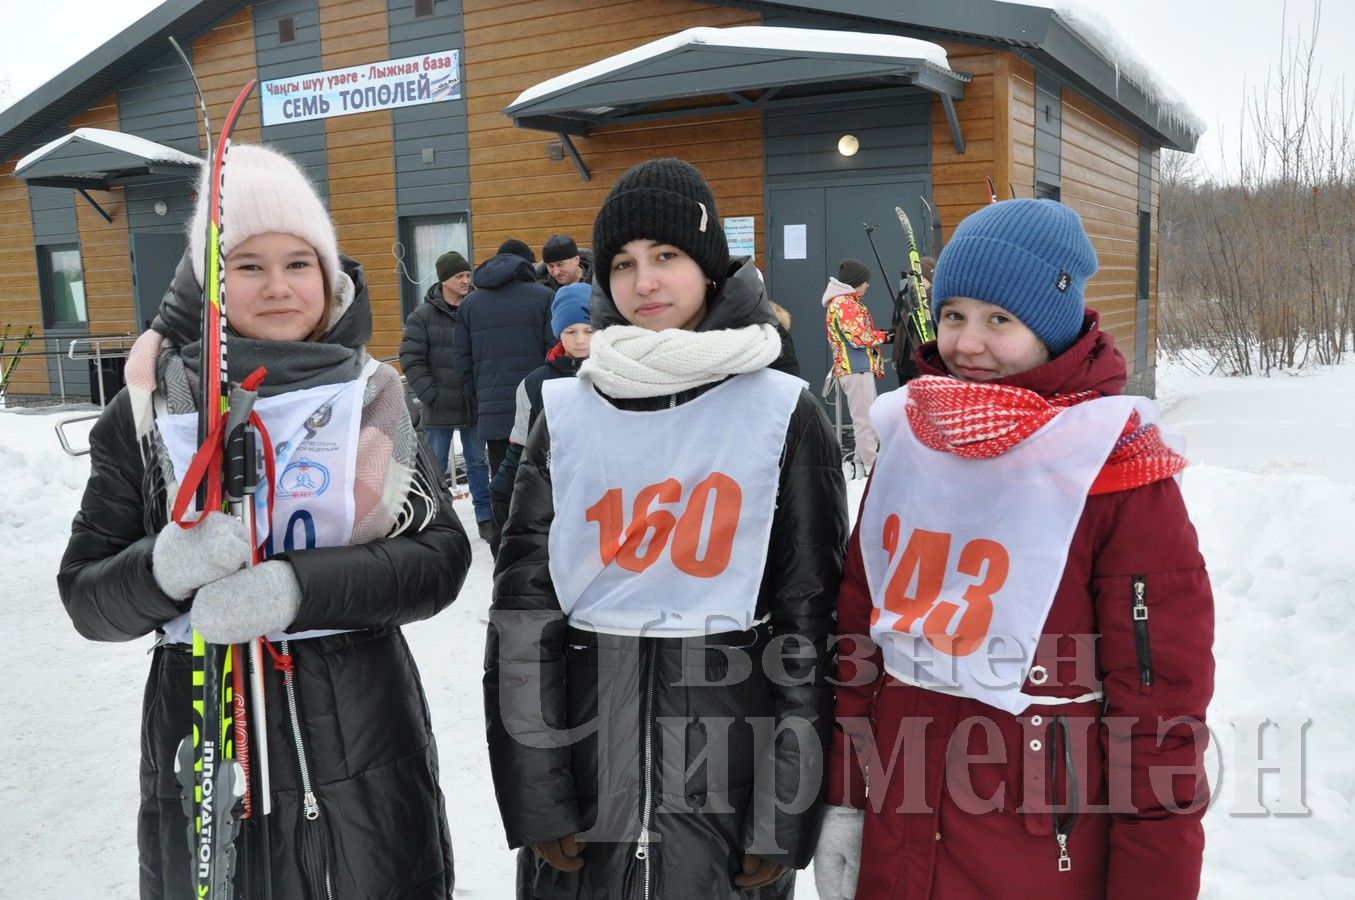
{"x": 502, "y": 333}
{"x": 564, "y": 263}
{"x": 426, "y": 358}
{"x": 569, "y": 319}
{"x": 1044, "y": 685}
{"x": 678, "y": 521}
{"x": 350, "y": 745}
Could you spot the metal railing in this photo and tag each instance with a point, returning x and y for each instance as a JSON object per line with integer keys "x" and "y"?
{"x": 98, "y": 348}
{"x": 833, "y": 396}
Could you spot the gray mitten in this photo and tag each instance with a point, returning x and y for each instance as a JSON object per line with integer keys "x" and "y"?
{"x": 248, "y": 603}
{"x": 184, "y": 559}
{"x": 837, "y": 857}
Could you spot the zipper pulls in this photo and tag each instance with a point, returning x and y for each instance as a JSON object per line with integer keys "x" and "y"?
{"x": 1142, "y": 646}
{"x": 310, "y": 806}
{"x": 1065, "y": 861}
{"x": 642, "y": 845}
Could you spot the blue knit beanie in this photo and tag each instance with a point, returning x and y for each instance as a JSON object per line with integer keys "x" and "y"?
{"x": 1030, "y": 257}
{"x": 570, "y": 306}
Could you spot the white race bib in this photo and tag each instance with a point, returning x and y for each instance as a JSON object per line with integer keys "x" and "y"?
{"x": 662, "y": 518}
{"x": 315, "y": 437}
{"x": 963, "y": 557}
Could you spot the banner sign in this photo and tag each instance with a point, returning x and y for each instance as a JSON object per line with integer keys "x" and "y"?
{"x": 427, "y": 78}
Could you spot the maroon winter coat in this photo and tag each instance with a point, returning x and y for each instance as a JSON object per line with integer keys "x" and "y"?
{"x": 950, "y": 843}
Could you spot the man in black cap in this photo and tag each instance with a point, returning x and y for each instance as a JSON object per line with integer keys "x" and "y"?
{"x": 565, "y": 263}
{"x": 426, "y": 359}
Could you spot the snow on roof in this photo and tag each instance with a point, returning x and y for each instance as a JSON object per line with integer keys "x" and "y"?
{"x": 114, "y": 140}
{"x": 799, "y": 40}
{"x": 1084, "y": 20}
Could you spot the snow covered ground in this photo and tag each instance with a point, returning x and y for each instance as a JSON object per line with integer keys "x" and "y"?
{"x": 1271, "y": 489}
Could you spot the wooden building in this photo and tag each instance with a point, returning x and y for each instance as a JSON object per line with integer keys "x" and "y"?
{"x": 411, "y": 117}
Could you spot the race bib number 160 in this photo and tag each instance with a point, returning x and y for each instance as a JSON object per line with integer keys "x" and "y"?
{"x": 696, "y": 529}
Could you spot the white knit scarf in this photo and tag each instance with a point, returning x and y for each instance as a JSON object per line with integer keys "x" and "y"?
{"x": 628, "y": 362}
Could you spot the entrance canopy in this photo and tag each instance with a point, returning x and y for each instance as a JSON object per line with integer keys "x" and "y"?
{"x": 702, "y": 71}
{"x": 97, "y": 159}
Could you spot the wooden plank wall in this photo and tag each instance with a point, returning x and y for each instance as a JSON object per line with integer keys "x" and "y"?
{"x": 958, "y": 187}
{"x": 223, "y": 59}
{"x": 1020, "y": 172}
{"x": 516, "y": 191}
{"x": 103, "y": 245}
{"x": 1101, "y": 181}
{"x": 362, "y": 164}
{"x": 20, "y": 305}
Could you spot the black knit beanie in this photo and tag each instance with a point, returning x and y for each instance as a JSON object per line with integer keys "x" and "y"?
{"x": 663, "y": 200}
{"x": 559, "y": 247}
{"x": 853, "y": 272}
{"x": 517, "y": 248}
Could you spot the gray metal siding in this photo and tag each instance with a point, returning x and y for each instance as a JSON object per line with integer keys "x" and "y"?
{"x": 894, "y": 135}
{"x": 441, "y": 186}
{"x": 303, "y": 141}
{"x": 159, "y": 105}
{"x": 141, "y": 200}
{"x": 1048, "y": 131}
{"x": 53, "y": 215}
{"x": 1144, "y": 261}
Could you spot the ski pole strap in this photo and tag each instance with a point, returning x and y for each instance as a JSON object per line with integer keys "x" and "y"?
{"x": 206, "y": 459}
{"x": 281, "y": 661}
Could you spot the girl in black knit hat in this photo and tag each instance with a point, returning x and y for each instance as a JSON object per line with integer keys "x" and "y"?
{"x": 667, "y": 580}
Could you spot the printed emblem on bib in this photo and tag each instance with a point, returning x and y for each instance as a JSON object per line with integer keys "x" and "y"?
{"x": 303, "y": 478}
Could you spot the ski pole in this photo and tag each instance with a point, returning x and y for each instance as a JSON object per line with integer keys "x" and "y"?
{"x": 898, "y": 296}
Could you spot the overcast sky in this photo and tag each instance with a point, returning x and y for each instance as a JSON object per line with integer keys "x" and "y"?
{"x": 1212, "y": 52}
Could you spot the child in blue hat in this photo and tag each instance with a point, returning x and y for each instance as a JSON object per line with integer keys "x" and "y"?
{"x": 1024, "y": 592}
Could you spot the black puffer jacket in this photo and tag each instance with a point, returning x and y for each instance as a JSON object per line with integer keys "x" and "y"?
{"x": 426, "y": 358}
{"x": 364, "y": 722}
{"x": 502, "y": 333}
{"x": 714, "y": 777}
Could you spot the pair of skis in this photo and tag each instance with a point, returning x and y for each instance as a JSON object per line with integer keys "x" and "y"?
{"x": 7, "y": 370}
{"x": 911, "y": 322}
{"x": 224, "y": 759}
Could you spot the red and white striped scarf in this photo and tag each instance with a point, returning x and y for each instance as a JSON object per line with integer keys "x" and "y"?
{"x": 982, "y": 421}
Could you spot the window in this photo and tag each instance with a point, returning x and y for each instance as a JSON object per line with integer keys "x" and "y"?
{"x": 1046, "y": 191}
{"x": 1145, "y": 250}
{"x": 63, "y": 285}
{"x": 286, "y": 30}
{"x": 423, "y": 240}
{"x": 423, "y": 9}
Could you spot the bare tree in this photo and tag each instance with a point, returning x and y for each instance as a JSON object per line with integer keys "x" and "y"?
{"x": 1259, "y": 273}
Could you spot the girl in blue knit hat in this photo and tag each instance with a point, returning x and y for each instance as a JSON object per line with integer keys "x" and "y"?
{"x": 1026, "y": 619}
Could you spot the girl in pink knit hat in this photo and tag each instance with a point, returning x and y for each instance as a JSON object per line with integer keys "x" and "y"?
{"x": 356, "y": 538}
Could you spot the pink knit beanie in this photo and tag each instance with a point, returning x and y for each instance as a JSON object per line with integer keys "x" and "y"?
{"x": 264, "y": 191}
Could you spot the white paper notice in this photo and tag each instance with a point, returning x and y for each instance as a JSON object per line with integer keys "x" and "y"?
{"x": 739, "y": 235}
{"x": 794, "y": 243}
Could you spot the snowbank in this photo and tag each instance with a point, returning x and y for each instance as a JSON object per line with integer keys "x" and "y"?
{"x": 1269, "y": 491}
